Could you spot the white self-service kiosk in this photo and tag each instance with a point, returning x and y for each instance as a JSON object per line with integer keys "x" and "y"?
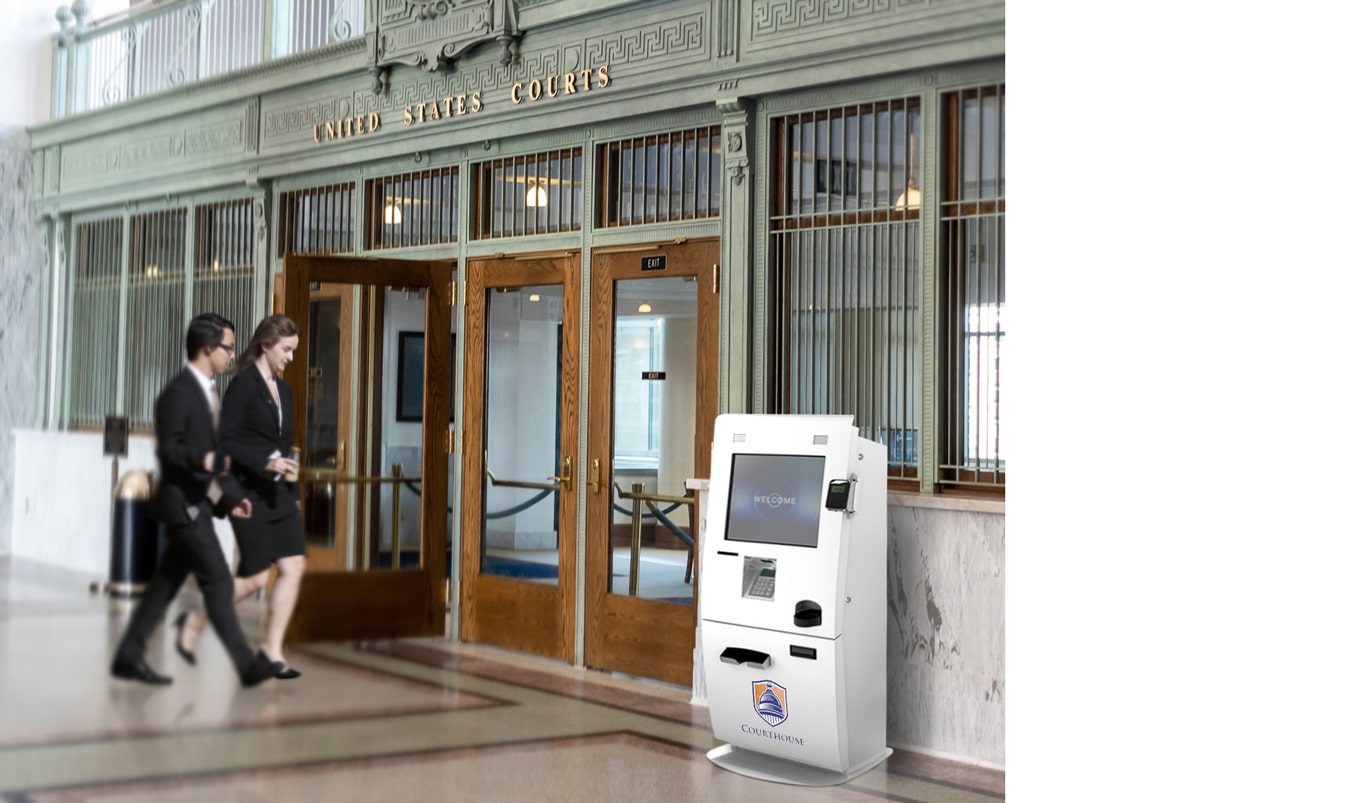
{"x": 793, "y": 598}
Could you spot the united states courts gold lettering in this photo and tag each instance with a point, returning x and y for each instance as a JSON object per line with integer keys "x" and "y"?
{"x": 347, "y": 127}
{"x": 537, "y": 89}
{"x": 454, "y": 106}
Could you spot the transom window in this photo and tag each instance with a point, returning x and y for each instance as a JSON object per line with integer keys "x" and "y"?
{"x": 412, "y": 209}
{"x": 318, "y": 220}
{"x": 673, "y": 176}
{"x": 534, "y": 194}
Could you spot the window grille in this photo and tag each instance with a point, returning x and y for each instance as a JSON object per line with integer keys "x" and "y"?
{"x": 94, "y": 330}
{"x": 156, "y": 319}
{"x": 973, "y": 286}
{"x": 223, "y": 270}
{"x": 845, "y": 270}
{"x": 674, "y": 176}
{"x": 412, "y": 209}
{"x": 318, "y": 220}
{"x": 535, "y": 194}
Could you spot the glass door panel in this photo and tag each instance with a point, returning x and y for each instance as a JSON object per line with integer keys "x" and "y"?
{"x": 522, "y": 420}
{"x": 655, "y": 387}
{"x": 327, "y": 425}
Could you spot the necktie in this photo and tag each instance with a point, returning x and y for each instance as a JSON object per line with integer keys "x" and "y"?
{"x": 215, "y": 405}
{"x": 213, "y": 491}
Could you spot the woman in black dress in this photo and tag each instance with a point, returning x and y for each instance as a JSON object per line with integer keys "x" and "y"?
{"x": 257, "y": 432}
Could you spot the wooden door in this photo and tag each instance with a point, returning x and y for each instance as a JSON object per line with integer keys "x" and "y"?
{"x": 652, "y": 403}
{"x": 345, "y": 597}
{"x": 520, "y": 480}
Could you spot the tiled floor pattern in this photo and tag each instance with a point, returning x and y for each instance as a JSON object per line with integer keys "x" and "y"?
{"x": 410, "y": 720}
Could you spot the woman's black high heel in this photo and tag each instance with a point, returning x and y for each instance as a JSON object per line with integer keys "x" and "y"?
{"x": 178, "y": 640}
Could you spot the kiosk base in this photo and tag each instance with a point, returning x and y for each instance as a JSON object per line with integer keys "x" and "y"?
{"x": 780, "y": 770}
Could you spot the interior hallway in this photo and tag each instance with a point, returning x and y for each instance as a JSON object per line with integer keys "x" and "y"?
{"x": 416, "y": 719}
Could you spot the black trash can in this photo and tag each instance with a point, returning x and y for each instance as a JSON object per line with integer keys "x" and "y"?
{"x": 135, "y": 536}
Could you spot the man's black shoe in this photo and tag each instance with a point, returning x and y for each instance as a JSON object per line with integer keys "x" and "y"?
{"x": 261, "y": 669}
{"x": 139, "y": 671}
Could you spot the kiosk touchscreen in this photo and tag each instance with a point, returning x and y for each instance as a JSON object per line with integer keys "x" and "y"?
{"x": 794, "y": 598}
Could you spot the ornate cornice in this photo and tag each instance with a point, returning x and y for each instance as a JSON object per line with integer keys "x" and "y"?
{"x": 434, "y": 34}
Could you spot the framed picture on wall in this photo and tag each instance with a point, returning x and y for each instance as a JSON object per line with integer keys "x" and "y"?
{"x": 411, "y": 348}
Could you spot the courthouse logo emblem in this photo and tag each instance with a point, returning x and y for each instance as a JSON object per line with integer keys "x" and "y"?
{"x": 770, "y": 701}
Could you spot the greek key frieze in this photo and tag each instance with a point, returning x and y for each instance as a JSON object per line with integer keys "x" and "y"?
{"x": 770, "y": 17}
{"x": 650, "y": 42}
{"x": 300, "y": 120}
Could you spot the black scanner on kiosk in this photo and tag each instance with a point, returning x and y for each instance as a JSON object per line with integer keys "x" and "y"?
{"x": 807, "y": 614}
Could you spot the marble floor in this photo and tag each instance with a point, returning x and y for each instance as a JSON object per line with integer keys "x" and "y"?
{"x": 408, "y": 720}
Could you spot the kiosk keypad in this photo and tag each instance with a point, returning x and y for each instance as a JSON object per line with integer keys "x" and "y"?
{"x": 759, "y": 578}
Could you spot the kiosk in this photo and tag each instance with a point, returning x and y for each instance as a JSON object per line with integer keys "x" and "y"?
{"x": 793, "y": 598}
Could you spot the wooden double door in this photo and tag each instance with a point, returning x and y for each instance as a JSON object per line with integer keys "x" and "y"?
{"x": 553, "y": 535}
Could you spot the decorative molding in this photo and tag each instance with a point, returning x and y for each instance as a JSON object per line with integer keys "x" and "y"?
{"x": 731, "y": 106}
{"x": 735, "y": 126}
{"x": 434, "y": 34}
{"x": 649, "y": 43}
{"x": 252, "y": 110}
{"x": 207, "y": 139}
{"x": 260, "y": 217}
{"x": 770, "y": 18}
{"x": 728, "y": 28}
{"x": 287, "y": 120}
{"x": 159, "y": 149}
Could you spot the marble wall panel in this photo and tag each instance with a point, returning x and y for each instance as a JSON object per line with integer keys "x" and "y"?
{"x": 20, "y": 305}
{"x": 945, "y": 633}
{"x": 63, "y": 499}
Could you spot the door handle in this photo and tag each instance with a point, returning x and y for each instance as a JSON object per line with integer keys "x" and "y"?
{"x": 342, "y": 456}
{"x": 565, "y": 478}
{"x": 596, "y": 484}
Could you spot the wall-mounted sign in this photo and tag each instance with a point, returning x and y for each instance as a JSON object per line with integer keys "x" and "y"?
{"x": 654, "y": 375}
{"x": 657, "y": 262}
{"x": 448, "y": 108}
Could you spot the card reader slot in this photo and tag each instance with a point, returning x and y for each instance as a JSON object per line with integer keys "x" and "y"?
{"x": 802, "y": 652}
{"x": 744, "y": 655}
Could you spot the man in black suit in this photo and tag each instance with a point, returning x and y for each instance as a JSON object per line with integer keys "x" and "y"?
{"x": 194, "y": 485}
